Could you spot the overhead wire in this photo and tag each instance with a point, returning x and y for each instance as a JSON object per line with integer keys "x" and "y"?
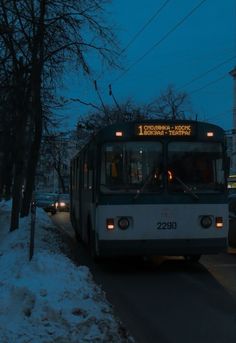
{"x": 138, "y": 33}
{"x": 207, "y": 72}
{"x": 179, "y": 23}
{"x": 155, "y": 15}
{"x": 219, "y": 114}
{"x": 208, "y": 84}
{"x": 165, "y": 37}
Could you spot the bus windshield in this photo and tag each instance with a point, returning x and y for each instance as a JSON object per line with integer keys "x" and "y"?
{"x": 197, "y": 165}
{"x": 132, "y": 166}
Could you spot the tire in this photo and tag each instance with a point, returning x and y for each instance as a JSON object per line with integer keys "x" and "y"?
{"x": 75, "y": 226}
{"x": 92, "y": 245}
{"x": 192, "y": 258}
{"x": 77, "y": 235}
{"x": 76, "y": 231}
{"x": 232, "y": 233}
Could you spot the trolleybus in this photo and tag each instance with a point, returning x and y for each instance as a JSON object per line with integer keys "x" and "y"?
{"x": 152, "y": 188}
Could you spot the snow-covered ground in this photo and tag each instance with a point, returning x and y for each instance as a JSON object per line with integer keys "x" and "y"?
{"x": 48, "y": 299}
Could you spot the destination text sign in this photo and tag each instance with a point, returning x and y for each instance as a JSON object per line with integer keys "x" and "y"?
{"x": 164, "y": 130}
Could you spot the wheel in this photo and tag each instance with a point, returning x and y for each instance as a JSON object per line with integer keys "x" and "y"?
{"x": 192, "y": 258}
{"x": 77, "y": 235}
{"x": 92, "y": 245}
{"x": 232, "y": 232}
{"x": 75, "y": 225}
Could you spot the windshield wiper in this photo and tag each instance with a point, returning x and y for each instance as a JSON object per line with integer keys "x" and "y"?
{"x": 146, "y": 182}
{"x": 187, "y": 188}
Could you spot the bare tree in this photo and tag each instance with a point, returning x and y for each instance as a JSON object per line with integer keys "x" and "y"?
{"x": 88, "y": 125}
{"x": 57, "y": 149}
{"x": 171, "y": 104}
{"x": 38, "y": 39}
{"x": 6, "y": 144}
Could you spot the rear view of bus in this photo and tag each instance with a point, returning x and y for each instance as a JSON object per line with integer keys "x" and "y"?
{"x": 152, "y": 188}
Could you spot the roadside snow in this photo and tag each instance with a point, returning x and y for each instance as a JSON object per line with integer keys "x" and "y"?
{"x": 48, "y": 299}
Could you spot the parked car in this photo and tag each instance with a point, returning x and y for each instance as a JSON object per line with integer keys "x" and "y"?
{"x": 46, "y": 201}
{"x": 62, "y": 203}
{"x": 232, "y": 220}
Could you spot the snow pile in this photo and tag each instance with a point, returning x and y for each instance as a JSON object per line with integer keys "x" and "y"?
{"x": 48, "y": 299}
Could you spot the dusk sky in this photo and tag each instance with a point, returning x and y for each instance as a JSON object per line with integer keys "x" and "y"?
{"x": 170, "y": 52}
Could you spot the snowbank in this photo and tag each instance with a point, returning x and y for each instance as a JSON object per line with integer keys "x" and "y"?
{"x": 48, "y": 299}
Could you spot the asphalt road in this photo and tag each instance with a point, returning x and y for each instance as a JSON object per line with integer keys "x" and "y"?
{"x": 166, "y": 300}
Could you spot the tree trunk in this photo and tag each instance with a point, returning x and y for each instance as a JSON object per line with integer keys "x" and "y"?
{"x": 61, "y": 181}
{"x": 36, "y": 75}
{"x": 5, "y": 157}
{"x": 37, "y": 117}
{"x": 32, "y": 163}
{"x": 17, "y": 189}
{"x": 1, "y": 176}
{"x": 16, "y": 196}
{"x": 6, "y": 167}
{"x": 29, "y": 186}
{"x": 20, "y": 152}
{"x": 18, "y": 182}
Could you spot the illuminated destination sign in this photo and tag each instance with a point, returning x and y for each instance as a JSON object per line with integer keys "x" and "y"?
{"x": 164, "y": 130}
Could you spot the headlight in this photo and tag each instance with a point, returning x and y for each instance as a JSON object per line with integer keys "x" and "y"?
{"x": 62, "y": 204}
{"x": 206, "y": 222}
{"x": 123, "y": 223}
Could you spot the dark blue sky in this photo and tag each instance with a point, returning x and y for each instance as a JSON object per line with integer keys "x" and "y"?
{"x": 206, "y": 39}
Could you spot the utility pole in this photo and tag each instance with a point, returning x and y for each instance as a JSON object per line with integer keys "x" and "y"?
{"x": 233, "y": 164}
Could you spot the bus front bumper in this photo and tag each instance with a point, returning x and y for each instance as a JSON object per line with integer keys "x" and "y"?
{"x": 177, "y": 247}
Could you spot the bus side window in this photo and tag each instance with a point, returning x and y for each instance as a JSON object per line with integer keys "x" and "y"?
{"x": 90, "y": 170}
{"x": 77, "y": 172}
